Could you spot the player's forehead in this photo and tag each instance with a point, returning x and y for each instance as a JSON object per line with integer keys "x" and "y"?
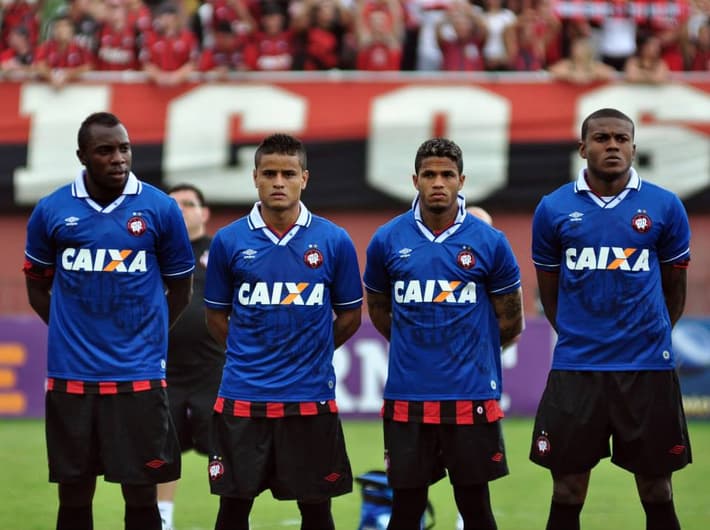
{"x": 184, "y": 194}
{"x": 609, "y": 126}
{"x": 438, "y": 164}
{"x": 279, "y": 162}
{"x": 100, "y": 135}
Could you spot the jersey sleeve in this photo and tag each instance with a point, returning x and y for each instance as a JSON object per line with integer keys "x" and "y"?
{"x": 505, "y": 278}
{"x": 376, "y": 278}
{"x": 218, "y": 281}
{"x": 347, "y": 287}
{"x": 674, "y": 242}
{"x": 174, "y": 250}
{"x": 546, "y": 252}
{"x": 40, "y": 250}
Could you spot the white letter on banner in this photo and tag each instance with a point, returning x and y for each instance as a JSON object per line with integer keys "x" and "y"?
{"x": 678, "y": 157}
{"x": 477, "y": 120}
{"x": 341, "y": 365}
{"x": 51, "y": 146}
{"x": 197, "y": 139}
{"x": 373, "y": 373}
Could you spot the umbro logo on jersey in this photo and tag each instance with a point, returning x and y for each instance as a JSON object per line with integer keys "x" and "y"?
{"x": 71, "y": 221}
{"x": 249, "y": 253}
{"x": 434, "y": 291}
{"x": 281, "y": 293}
{"x": 607, "y": 258}
{"x": 576, "y": 216}
{"x": 104, "y": 260}
{"x": 405, "y": 252}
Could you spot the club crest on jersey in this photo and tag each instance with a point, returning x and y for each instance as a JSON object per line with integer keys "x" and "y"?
{"x": 641, "y": 223}
{"x": 542, "y": 445}
{"x": 313, "y": 257}
{"x": 215, "y": 468}
{"x": 136, "y": 226}
{"x": 465, "y": 258}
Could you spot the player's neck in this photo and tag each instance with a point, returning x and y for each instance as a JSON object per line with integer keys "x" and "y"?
{"x": 280, "y": 221}
{"x": 438, "y": 222}
{"x": 607, "y": 188}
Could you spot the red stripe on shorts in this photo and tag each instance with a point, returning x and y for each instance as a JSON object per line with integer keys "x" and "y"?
{"x": 432, "y": 412}
{"x": 274, "y": 410}
{"x": 464, "y": 413}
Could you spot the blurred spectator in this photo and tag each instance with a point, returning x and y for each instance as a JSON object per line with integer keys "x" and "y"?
{"x": 647, "y": 65}
{"x": 324, "y": 27}
{"x": 699, "y": 50}
{"x": 226, "y": 54}
{"x": 461, "y": 36}
{"x": 117, "y": 47}
{"x": 18, "y": 13}
{"x": 272, "y": 48}
{"x": 139, "y": 16}
{"x": 424, "y": 17}
{"x": 170, "y": 52}
{"x": 671, "y": 27}
{"x": 501, "y": 40}
{"x": 379, "y": 37}
{"x": 86, "y": 25}
{"x": 60, "y": 59}
{"x": 537, "y": 39}
{"x": 214, "y": 13}
{"x": 16, "y": 60}
{"x": 582, "y": 67}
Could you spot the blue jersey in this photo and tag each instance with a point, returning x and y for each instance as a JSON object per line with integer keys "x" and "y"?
{"x": 611, "y": 312}
{"x": 281, "y": 292}
{"x": 108, "y": 314}
{"x": 445, "y": 338}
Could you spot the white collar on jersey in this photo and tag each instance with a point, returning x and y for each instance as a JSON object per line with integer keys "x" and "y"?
{"x": 581, "y": 185}
{"x": 133, "y": 186}
{"x": 460, "y": 216}
{"x": 256, "y": 222}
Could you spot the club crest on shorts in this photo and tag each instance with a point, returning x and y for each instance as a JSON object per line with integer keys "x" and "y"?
{"x": 542, "y": 444}
{"x": 641, "y": 222}
{"x": 215, "y": 468}
{"x": 465, "y": 258}
{"x": 136, "y": 226}
{"x": 313, "y": 257}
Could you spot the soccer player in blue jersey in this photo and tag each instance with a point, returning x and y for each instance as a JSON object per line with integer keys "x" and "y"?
{"x": 283, "y": 291}
{"x": 108, "y": 267}
{"x": 611, "y": 253}
{"x": 443, "y": 287}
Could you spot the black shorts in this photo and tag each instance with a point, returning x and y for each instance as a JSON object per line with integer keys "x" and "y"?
{"x": 191, "y": 406}
{"x": 641, "y": 411}
{"x": 127, "y": 437}
{"x": 416, "y": 454}
{"x": 296, "y": 457}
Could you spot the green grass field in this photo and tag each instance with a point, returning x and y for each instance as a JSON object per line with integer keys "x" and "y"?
{"x": 520, "y": 500}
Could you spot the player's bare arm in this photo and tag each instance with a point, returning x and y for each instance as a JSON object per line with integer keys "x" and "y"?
{"x": 674, "y": 279}
{"x": 548, "y": 286}
{"x": 217, "y": 324}
{"x": 509, "y": 311}
{"x": 38, "y": 293}
{"x": 179, "y": 292}
{"x": 379, "y": 307}
{"x": 345, "y": 325}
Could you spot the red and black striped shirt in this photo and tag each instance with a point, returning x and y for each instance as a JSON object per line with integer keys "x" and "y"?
{"x": 102, "y": 387}
{"x": 459, "y": 412}
{"x": 254, "y": 409}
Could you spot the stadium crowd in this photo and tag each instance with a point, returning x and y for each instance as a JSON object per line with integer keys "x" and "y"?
{"x": 576, "y": 40}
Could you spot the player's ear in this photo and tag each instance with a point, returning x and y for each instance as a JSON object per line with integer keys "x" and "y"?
{"x": 415, "y": 181}
{"x": 462, "y": 179}
{"x": 582, "y": 149}
{"x": 254, "y": 176}
{"x": 304, "y": 182}
{"x": 80, "y": 157}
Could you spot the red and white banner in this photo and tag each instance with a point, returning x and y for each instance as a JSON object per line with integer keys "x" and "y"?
{"x": 519, "y": 138}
